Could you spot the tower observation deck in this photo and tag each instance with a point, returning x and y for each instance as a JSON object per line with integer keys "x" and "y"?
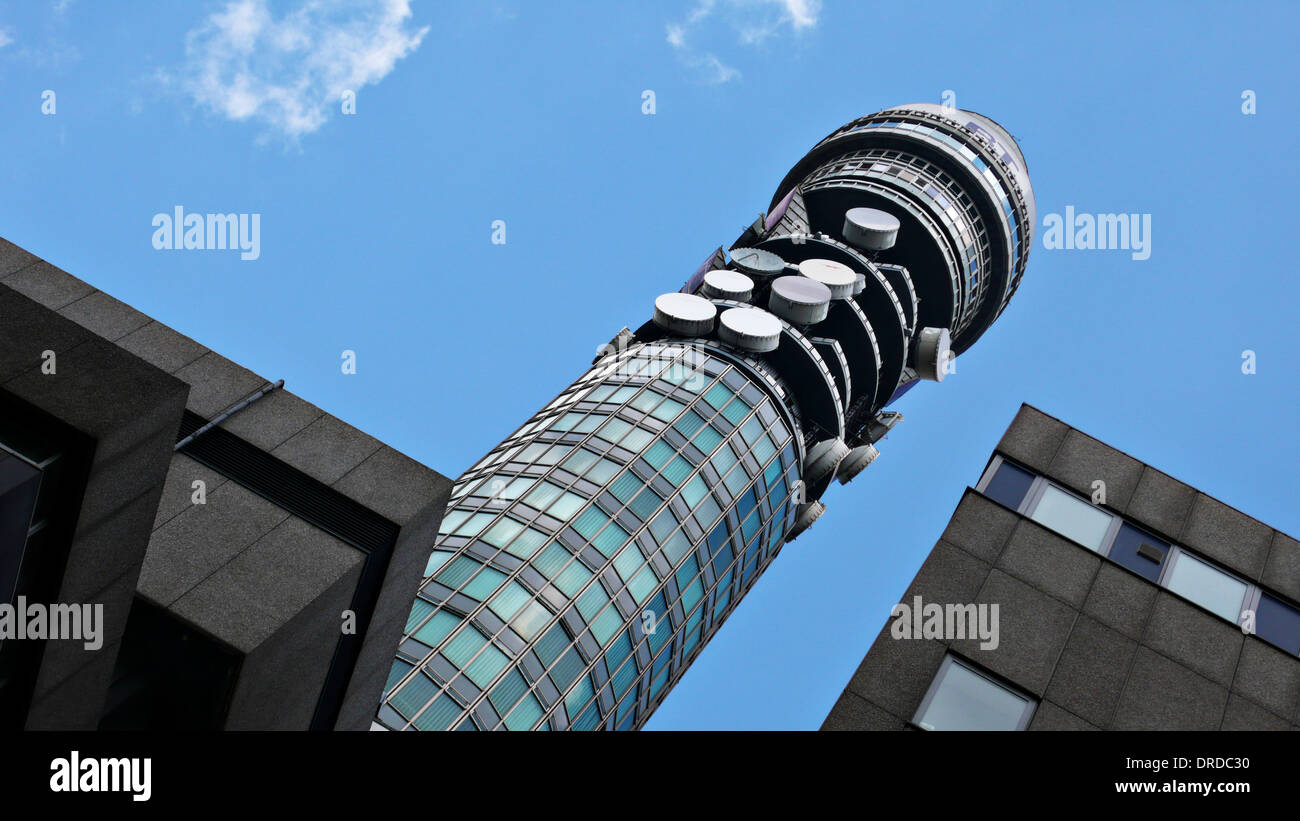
{"x": 585, "y": 561}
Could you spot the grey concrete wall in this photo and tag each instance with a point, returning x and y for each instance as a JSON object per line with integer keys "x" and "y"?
{"x": 1099, "y": 646}
{"x": 130, "y": 410}
{"x": 415, "y": 498}
{"x": 238, "y": 567}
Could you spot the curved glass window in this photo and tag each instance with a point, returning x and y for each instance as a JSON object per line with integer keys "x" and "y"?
{"x": 577, "y": 590}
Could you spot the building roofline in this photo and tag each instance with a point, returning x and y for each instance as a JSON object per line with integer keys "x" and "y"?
{"x": 1036, "y": 409}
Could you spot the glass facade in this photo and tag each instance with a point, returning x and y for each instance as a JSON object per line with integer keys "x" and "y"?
{"x": 585, "y": 560}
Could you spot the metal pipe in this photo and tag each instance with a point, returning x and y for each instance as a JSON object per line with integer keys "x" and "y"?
{"x": 228, "y": 413}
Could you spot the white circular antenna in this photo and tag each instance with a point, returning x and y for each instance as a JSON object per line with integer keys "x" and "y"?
{"x": 823, "y": 458}
{"x": 809, "y": 512}
{"x": 870, "y": 228}
{"x": 749, "y": 329}
{"x": 684, "y": 314}
{"x": 756, "y": 262}
{"x": 724, "y": 284}
{"x": 799, "y": 300}
{"x": 836, "y": 276}
{"x": 933, "y": 350}
{"x": 860, "y": 284}
{"x": 856, "y": 462}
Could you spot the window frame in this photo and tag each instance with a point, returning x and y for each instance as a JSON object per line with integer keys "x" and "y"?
{"x": 950, "y": 659}
{"x": 1249, "y": 597}
{"x": 1038, "y": 491}
{"x": 1034, "y": 495}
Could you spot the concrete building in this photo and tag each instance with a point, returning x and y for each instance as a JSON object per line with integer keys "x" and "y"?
{"x": 225, "y": 568}
{"x": 1127, "y": 601}
{"x": 585, "y": 561}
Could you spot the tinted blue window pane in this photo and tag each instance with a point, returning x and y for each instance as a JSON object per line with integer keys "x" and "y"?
{"x": 660, "y": 636}
{"x": 1278, "y": 623}
{"x": 440, "y": 714}
{"x": 1140, "y": 552}
{"x": 567, "y": 669}
{"x": 433, "y": 631}
{"x": 685, "y": 574}
{"x": 589, "y": 720}
{"x": 708, "y": 439}
{"x": 646, "y": 503}
{"x": 676, "y": 547}
{"x": 400, "y": 668}
{"x": 721, "y": 561}
{"x": 508, "y": 691}
{"x": 658, "y": 454}
{"x": 1009, "y": 485}
{"x": 707, "y": 512}
{"x": 624, "y": 675}
{"x": 689, "y": 423}
{"x": 420, "y": 609}
{"x": 525, "y": 715}
{"x": 772, "y": 473}
{"x": 717, "y": 396}
{"x": 579, "y": 696}
{"x": 625, "y": 486}
{"x": 718, "y": 537}
{"x": 746, "y": 503}
{"x": 619, "y": 649}
{"x": 414, "y": 695}
{"x": 550, "y": 646}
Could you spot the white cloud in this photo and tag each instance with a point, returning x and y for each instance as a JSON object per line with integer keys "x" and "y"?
{"x": 719, "y": 72}
{"x": 5, "y": 37}
{"x": 290, "y": 73}
{"x": 750, "y": 22}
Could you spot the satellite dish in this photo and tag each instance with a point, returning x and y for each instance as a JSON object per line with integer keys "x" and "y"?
{"x": 856, "y": 462}
{"x": 933, "y": 350}
{"x": 870, "y": 228}
{"x": 750, "y": 329}
{"x": 836, "y": 276}
{"x": 684, "y": 314}
{"x": 757, "y": 262}
{"x": 808, "y": 513}
{"x": 823, "y": 458}
{"x": 799, "y": 300}
{"x": 724, "y": 284}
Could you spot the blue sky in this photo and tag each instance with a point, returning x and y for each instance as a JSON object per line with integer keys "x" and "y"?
{"x": 376, "y": 231}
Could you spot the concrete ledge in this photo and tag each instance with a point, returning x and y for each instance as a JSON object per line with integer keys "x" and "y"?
{"x": 1033, "y": 438}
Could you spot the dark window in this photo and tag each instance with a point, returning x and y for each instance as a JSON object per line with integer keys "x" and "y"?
{"x": 19, "y": 485}
{"x": 170, "y": 676}
{"x": 718, "y": 537}
{"x": 1140, "y": 552}
{"x": 721, "y": 560}
{"x": 746, "y": 503}
{"x": 1009, "y": 485}
{"x": 1278, "y": 624}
